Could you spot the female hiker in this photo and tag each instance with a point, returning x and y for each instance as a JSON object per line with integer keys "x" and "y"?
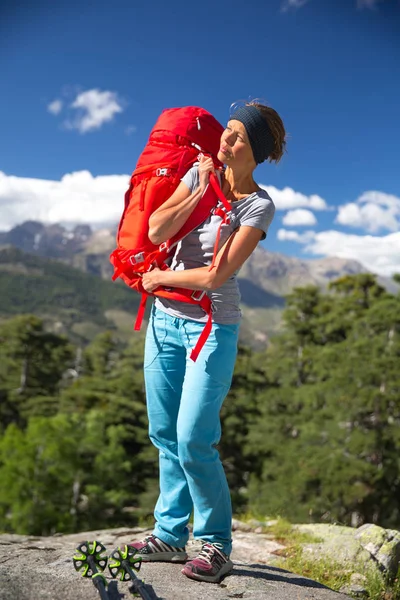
{"x": 184, "y": 398}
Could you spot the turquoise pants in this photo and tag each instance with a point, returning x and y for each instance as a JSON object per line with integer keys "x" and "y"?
{"x": 184, "y": 399}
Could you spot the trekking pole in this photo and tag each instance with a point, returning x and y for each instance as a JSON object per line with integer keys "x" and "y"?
{"x": 90, "y": 561}
{"x": 123, "y": 564}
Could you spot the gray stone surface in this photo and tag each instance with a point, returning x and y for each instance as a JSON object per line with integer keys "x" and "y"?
{"x": 369, "y": 546}
{"x": 337, "y": 543}
{"x": 382, "y": 544}
{"x": 41, "y": 569}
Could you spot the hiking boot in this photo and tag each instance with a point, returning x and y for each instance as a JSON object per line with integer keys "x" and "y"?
{"x": 152, "y": 549}
{"x": 210, "y": 565}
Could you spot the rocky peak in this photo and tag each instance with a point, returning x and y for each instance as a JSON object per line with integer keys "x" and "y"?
{"x": 82, "y": 232}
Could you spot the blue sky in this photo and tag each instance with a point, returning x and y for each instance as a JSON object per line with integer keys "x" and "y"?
{"x": 83, "y": 84}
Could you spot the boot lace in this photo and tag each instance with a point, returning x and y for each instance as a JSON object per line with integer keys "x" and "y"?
{"x": 208, "y": 551}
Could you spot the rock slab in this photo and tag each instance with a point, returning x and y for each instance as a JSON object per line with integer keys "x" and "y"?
{"x": 369, "y": 547}
{"x": 41, "y": 568}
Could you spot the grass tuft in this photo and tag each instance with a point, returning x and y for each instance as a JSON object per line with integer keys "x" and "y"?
{"x": 325, "y": 571}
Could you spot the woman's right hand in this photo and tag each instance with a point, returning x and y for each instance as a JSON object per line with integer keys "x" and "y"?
{"x": 206, "y": 167}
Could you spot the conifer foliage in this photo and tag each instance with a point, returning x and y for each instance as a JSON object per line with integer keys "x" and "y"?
{"x": 328, "y": 427}
{"x": 310, "y": 426}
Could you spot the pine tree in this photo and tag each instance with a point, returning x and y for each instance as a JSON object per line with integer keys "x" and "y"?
{"x": 32, "y": 364}
{"x": 330, "y": 408}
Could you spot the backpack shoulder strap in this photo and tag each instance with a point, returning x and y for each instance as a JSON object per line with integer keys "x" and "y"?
{"x": 217, "y": 189}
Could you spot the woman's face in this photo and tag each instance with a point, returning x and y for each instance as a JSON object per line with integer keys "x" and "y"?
{"x": 235, "y": 146}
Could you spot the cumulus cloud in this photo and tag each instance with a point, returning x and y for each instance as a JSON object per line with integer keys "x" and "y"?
{"x": 286, "y": 235}
{"x": 81, "y": 197}
{"x": 378, "y": 254}
{"x": 372, "y": 211}
{"x": 287, "y": 199}
{"x": 77, "y": 197}
{"x": 93, "y": 108}
{"x": 299, "y": 216}
{"x": 55, "y": 107}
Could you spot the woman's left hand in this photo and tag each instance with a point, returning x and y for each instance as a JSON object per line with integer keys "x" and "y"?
{"x": 151, "y": 280}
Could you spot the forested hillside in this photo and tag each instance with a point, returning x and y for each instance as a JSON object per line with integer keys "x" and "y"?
{"x": 68, "y": 300}
{"x": 310, "y": 427}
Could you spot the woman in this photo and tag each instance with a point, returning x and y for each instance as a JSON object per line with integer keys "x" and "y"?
{"x": 184, "y": 398}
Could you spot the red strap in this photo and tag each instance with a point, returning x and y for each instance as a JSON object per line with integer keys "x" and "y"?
{"x": 207, "y": 308}
{"x": 212, "y": 266}
{"x": 156, "y": 258}
{"x": 221, "y": 213}
{"x": 140, "y": 314}
{"x": 202, "y": 339}
{"x": 225, "y": 219}
{"x": 217, "y": 189}
{"x": 205, "y": 304}
{"x": 204, "y": 301}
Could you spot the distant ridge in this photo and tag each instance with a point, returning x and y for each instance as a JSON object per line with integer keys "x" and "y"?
{"x": 265, "y": 279}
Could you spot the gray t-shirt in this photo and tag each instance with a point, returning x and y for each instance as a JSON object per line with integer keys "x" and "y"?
{"x": 197, "y": 249}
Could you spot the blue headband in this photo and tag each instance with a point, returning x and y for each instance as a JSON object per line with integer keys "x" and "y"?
{"x": 262, "y": 141}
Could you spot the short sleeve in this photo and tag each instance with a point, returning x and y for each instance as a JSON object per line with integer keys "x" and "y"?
{"x": 191, "y": 179}
{"x": 260, "y": 214}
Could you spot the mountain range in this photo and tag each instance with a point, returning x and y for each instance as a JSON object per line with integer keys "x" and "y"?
{"x": 265, "y": 279}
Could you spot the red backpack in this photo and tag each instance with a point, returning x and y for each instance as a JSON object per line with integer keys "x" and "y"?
{"x": 175, "y": 142}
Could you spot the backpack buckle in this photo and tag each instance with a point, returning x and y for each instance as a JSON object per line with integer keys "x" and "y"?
{"x": 136, "y": 258}
{"x": 198, "y": 295}
{"x": 162, "y": 172}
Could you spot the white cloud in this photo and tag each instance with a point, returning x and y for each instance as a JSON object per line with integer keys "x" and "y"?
{"x": 287, "y": 198}
{"x": 82, "y": 198}
{"x": 299, "y": 216}
{"x": 55, "y": 107}
{"x": 77, "y": 197}
{"x": 285, "y": 235}
{"x": 378, "y": 254}
{"x": 372, "y": 211}
{"x": 94, "y": 108}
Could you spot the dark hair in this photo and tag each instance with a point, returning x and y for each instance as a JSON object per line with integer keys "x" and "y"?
{"x": 277, "y": 128}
